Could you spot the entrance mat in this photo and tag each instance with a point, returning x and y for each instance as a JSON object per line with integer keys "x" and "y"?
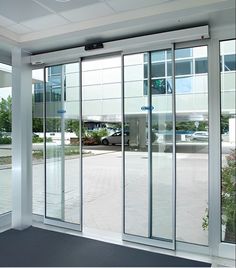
{"x": 39, "y": 247}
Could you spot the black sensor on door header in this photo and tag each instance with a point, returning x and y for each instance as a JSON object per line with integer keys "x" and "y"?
{"x": 93, "y": 46}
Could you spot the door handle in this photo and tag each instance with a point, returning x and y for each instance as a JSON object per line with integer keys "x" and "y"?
{"x": 147, "y": 108}
{"x": 61, "y": 111}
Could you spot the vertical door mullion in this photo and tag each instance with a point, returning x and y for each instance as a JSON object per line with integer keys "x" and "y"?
{"x": 174, "y": 150}
{"x": 80, "y": 144}
{"x": 44, "y": 144}
{"x": 62, "y": 113}
{"x": 149, "y": 148}
{"x": 123, "y": 140}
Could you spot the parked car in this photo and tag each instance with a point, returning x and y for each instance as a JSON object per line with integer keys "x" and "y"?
{"x": 200, "y": 136}
{"x": 115, "y": 138}
{"x": 35, "y": 135}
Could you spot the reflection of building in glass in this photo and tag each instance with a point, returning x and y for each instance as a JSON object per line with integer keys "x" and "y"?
{"x": 101, "y": 80}
{"x": 38, "y": 91}
{"x": 228, "y": 70}
{"x": 189, "y": 62}
{"x": 54, "y": 83}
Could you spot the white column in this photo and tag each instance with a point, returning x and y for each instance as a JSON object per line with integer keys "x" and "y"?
{"x": 21, "y": 140}
{"x": 142, "y": 132}
{"x": 232, "y": 126}
{"x": 133, "y": 132}
{"x": 214, "y": 228}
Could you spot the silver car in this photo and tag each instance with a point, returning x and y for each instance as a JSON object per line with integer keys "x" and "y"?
{"x": 115, "y": 138}
{"x": 200, "y": 136}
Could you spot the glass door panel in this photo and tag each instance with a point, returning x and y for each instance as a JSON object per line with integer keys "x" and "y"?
{"x": 162, "y": 145}
{"x": 62, "y": 146}
{"x": 102, "y": 166}
{"x": 192, "y": 144}
{"x": 136, "y": 150}
{"x": 148, "y": 157}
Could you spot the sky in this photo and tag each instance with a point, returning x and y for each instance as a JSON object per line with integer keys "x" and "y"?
{"x": 5, "y": 92}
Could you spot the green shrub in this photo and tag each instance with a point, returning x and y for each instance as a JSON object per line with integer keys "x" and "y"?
{"x": 98, "y": 134}
{"x": 5, "y": 140}
{"x": 228, "y": 199}
{"x": 37, "y": 139}
{"x": 93, "y": 137}
{"x": 40, "y": 140}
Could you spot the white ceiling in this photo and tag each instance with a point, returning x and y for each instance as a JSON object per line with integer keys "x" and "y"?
{"x": 27, "y": 16}
{"x": 40, "y": 25}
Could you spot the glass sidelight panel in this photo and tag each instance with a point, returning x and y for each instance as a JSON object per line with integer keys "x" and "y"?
{"x": 5, "y": 139}
{"x": 38, "y": 142}
{"x": 148, "y": 157}
{"x": 62, "y": 146}
{"x": 228, "y": 143}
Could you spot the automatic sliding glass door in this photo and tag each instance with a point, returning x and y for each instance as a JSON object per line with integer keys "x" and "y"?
{"x": 149, "y": 188}
{"x": 162, "y": 149}
{"x": 136, "y": 171}
{"x": 62, "y": 146}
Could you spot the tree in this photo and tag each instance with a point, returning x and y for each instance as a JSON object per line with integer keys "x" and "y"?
{"x": 5, "y": 114}
{"x": 73, "y": 125}
{"x": 37, "y": 122}
{"x": 224, "y": 123}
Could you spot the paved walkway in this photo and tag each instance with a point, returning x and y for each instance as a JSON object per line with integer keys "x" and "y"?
{"x": 102, "y": 188}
